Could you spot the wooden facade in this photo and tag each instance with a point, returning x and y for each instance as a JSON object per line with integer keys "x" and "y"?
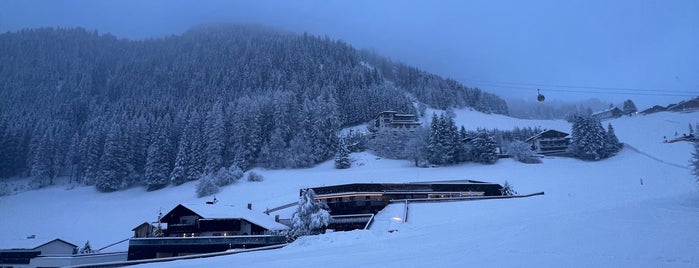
{"x": 217, "y": 220}
{"x": 143, "y": 230}
{"x": 550, "y": 142}
{"x": 654, "y": 109}
{"x": 610, "y": 113}
{"x": 685, "y": 106}
{"x": 394, "y": 121}
{"x": 205, "y": 228}
{"x": 370, "y": 198}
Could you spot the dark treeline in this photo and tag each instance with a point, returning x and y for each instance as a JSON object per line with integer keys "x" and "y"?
{"x": 115, "y": 113}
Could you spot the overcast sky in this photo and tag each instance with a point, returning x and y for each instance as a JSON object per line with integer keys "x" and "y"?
{"x": 572, "y": 50}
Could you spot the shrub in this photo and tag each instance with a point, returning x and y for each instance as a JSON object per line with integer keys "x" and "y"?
{"x": 252, "y": 176}
{"x": 207, "y": 186}
{"x": 522, "y": 152}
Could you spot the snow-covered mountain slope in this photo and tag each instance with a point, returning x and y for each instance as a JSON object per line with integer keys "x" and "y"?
{"x": 593, "y": 213}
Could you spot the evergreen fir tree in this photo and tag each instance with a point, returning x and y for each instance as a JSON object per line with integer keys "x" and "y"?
{"x": 189, "y": 163}
{"x": 694, "y": 162}
{"x": 342, "y": 160}
{"x": 326, "y": 124}
{"x": 691, "y": 129}
{"x": 247, "y": 140}
{"x": 215, "y": 138}
{"x": 508, "y": 190}
{"x": 612, "y": 144}
{"x": 311, "y": 215}
{"x": 629, "y": 108}
{"x": 74, "y": 159}
{"x": 483, "y": 148}
{"x": 113, "y": 170}
{"x": 444, "y": 144}
{"x": 588, "y": 138}
{"x": 157, "y": 174}
{"x": 179, "y": 172}
{"x": 44, "y": 166}
{"x": 274, "y": 154}
{"x": 137, "y": 135}
{"x": 86, "y": 249}
{"x": 301, "y": 155}
{"x": 451, "y": 140}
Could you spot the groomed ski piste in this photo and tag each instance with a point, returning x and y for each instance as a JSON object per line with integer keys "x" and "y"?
{"x": 594, "y": 214}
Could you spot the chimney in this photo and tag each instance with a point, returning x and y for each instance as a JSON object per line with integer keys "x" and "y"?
{"x": 276, "y": 218}
{"x": 250, "y": 206}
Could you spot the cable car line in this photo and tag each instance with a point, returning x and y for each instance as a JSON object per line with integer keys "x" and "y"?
{"x": 509, "y": 84}
{"x": 644, "y": 93}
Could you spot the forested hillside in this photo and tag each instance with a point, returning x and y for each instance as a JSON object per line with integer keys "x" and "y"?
{"x": 116, "y": 113}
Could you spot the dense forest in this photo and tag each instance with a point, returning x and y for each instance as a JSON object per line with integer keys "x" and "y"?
{"x": 116, "y": 113}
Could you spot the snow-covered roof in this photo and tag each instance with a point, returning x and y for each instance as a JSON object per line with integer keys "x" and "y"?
{"x": 606, "y": 111}
{"x": 552, "y": 131}
{"x": 26, "y": 243}
{"x": 216, "y": 211}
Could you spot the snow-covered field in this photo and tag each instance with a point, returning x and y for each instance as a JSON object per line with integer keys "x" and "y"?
{"x": 593, "y": 213}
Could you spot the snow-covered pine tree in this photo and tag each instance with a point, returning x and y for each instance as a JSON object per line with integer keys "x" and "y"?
{"x": 508, "y": 190}
{"x": 483, "y": 148}
{"x": 311, "y": 215}
{"x": 444, "y": 143}
{"x": 588, "y": 138}
{"x": 451, "y": 139}
{"x": 93, "y": 146}
{"x": 137, "y": 135}
{"x": 198, "y": 147}
{"x": 691, "y": 129}
{"x": 157, "y": 174}
{"x": 113, "y": 170}
{"x": 612, "y": 144}
{"x": 464, "y": 153}
{"x": 215, "y": 138}
{"x": 246, "y": 141}
{"x": 188, "y": 163}
{"x": 274, "y": 154}
{"x": 179, "y": 172}
{"x": 300, "y": 154}
{"x": 86, "y": 249}
{"x": 74, "y": 160}
{"x": 694, "y": 162}
{"x": 326, "y": 124}
{"x": 629, "y": 108}
{"x": 342, "y": 160}
{"x": 44, "y": 166}
{"x": 301, "y": 146}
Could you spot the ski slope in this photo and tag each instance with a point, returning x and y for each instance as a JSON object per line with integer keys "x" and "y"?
{"x": 594, "y": 214}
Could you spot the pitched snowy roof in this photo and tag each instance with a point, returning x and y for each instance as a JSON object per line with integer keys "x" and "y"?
{"x": 30, "y": 243}
{"x": 612, "y": 109}
{"x": 215, "y": 211}
{"x": 552, "y": 132}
